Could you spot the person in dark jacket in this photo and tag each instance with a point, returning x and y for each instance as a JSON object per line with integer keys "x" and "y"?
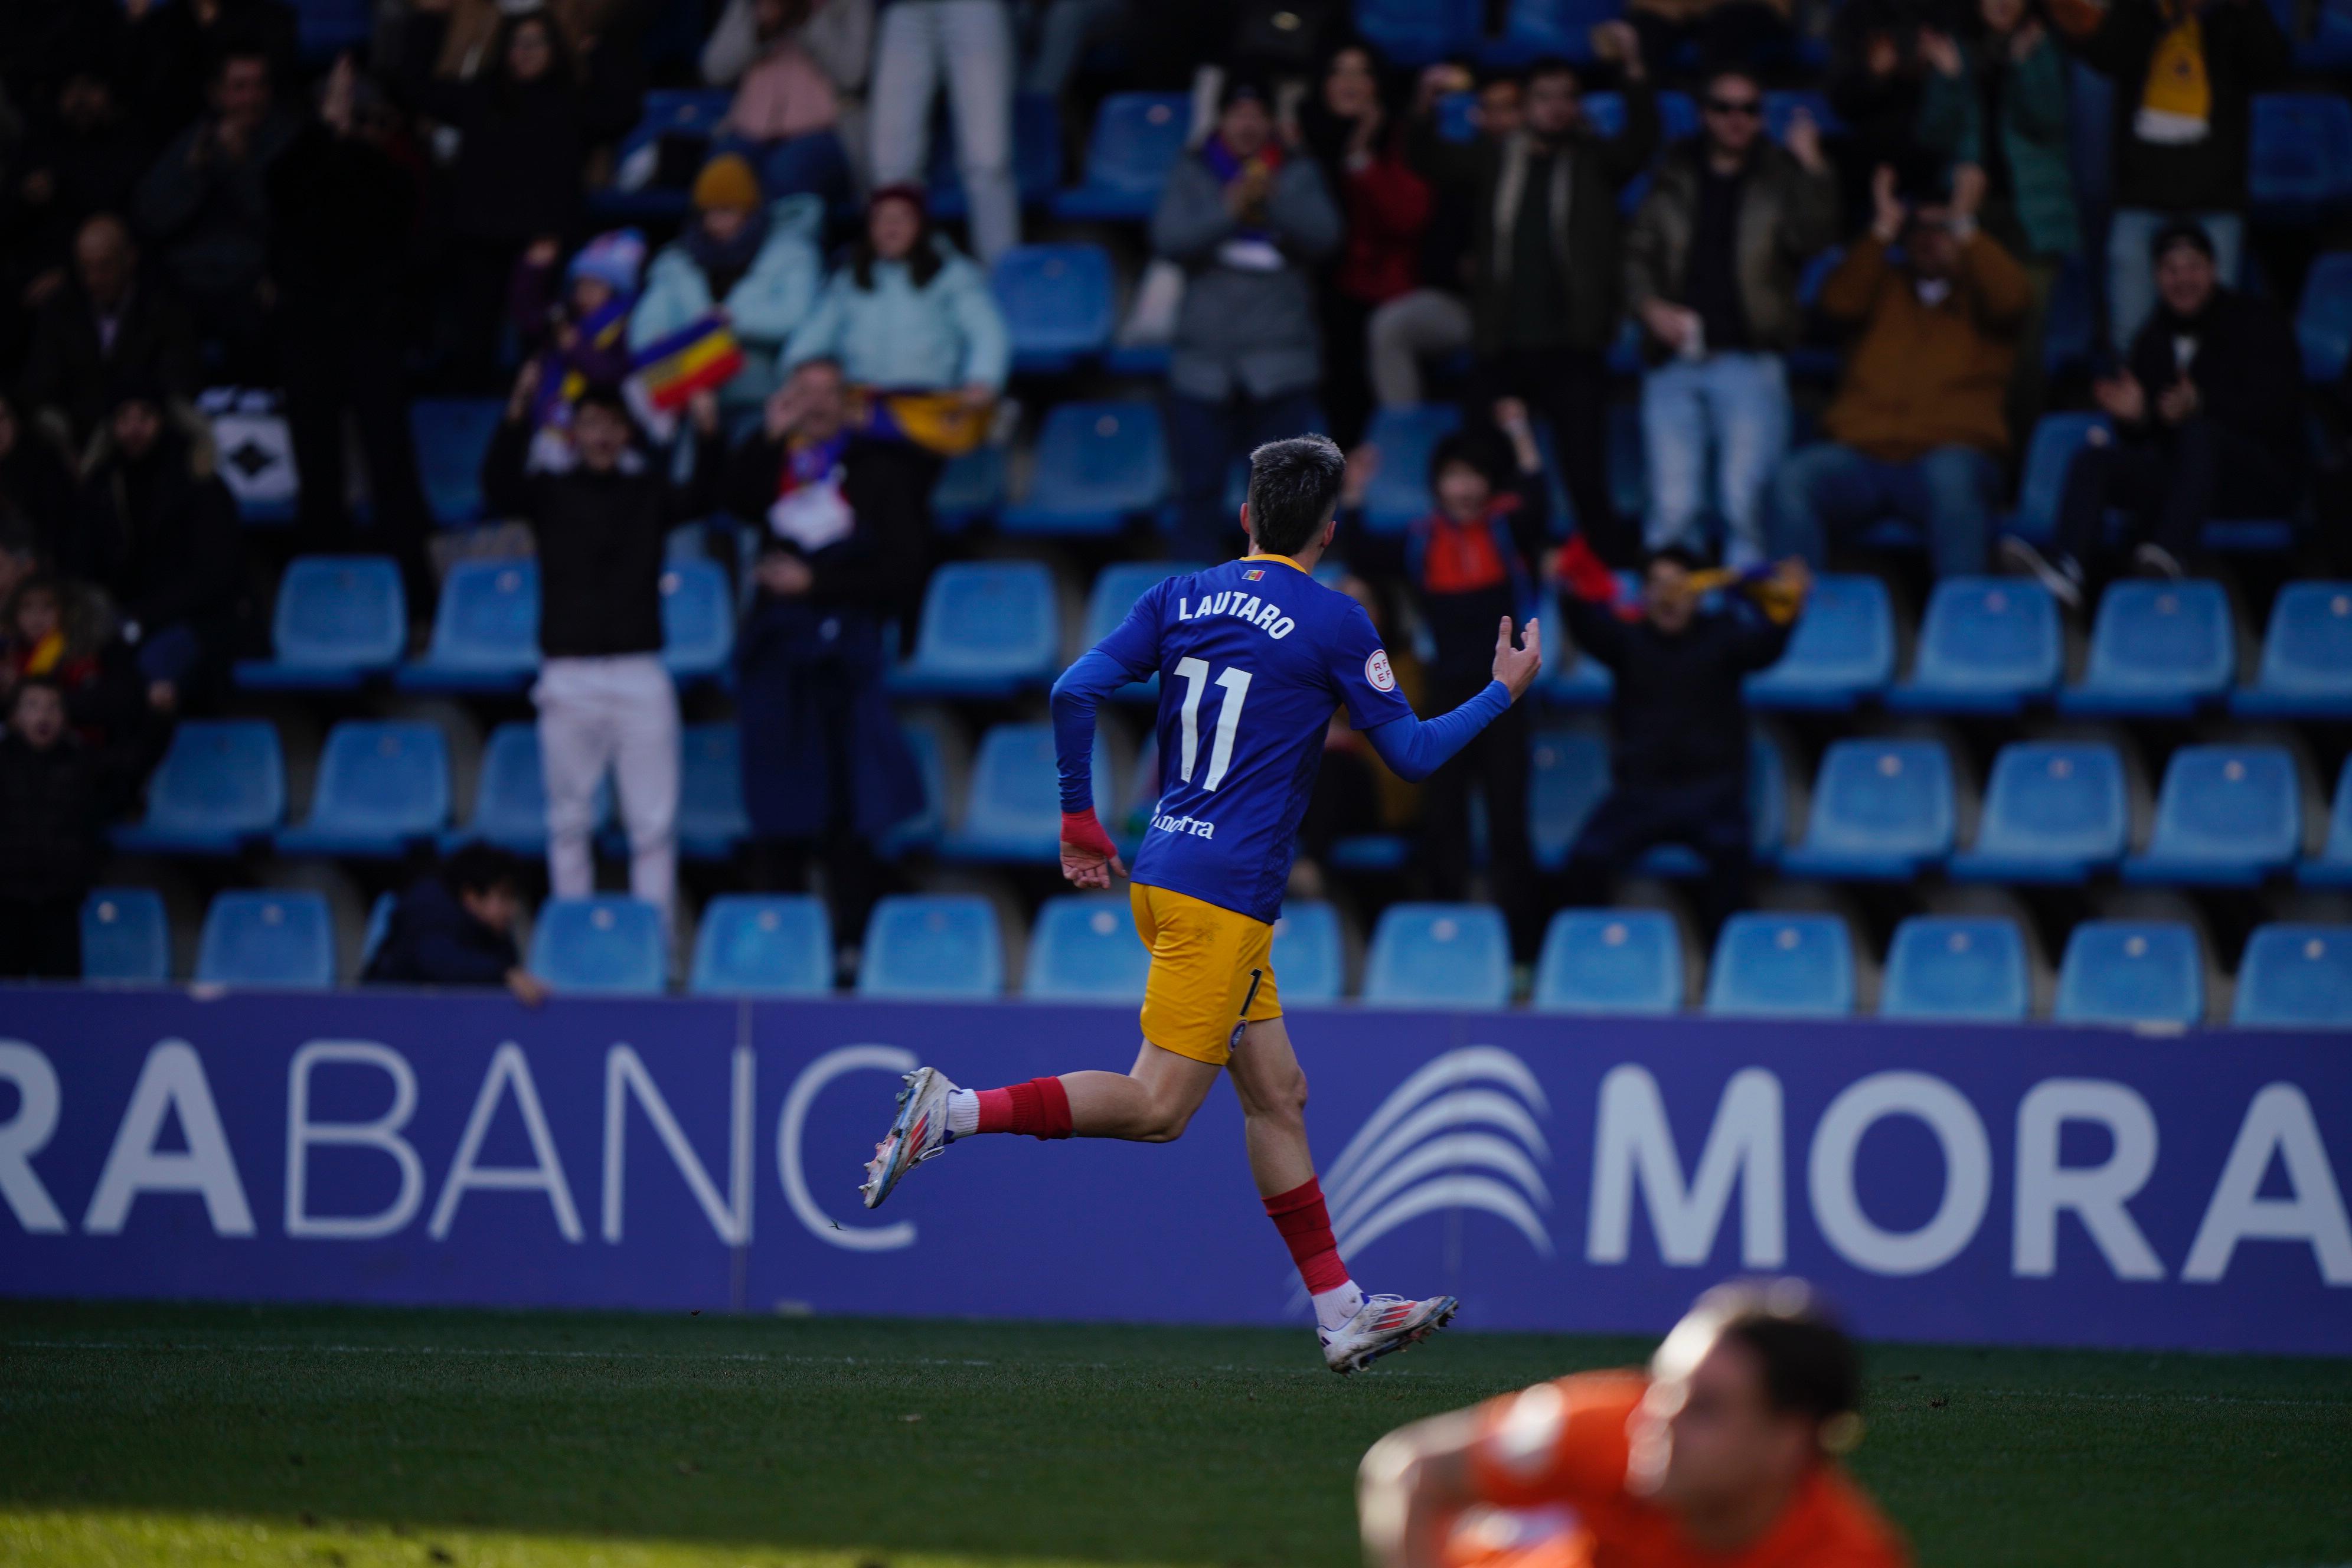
{"x": 82, "y": 155}
{"x": 174, "y": 49}
{"x": 1433, "y": 320}
{"x": 456, "y": 928}
{"x": 1467, "y": 567}
{"x": 2185, "y": 74}
{"x": 105, "y": 326}
{"x": 1679, "y": 773}
{"x": 826, "y": 773}
{"x": 55, "y": 800}
{"x": 604, "y": 697}
{"x": 344, "y": 207}
{"x": 1550, "y": 254}
{"x": 36, "y": 488}
{"x": 2209, "y": 414}
{"x": 158, "y": 530}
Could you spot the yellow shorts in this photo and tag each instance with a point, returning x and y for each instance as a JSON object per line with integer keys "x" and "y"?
{"x": 1211, "y": 971}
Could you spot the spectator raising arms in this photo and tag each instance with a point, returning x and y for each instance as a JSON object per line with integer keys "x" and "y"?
{"x": 1433, "y": 319}
{"x": 1916, "y": 429}
{"x": 1711, "y": 273}
{"x": 456, "y": 928}
{"x": 970, "y": 42}
{"x": 2209, "y": 423}
{"x": 796, "y": 66}
{"x": 1549, "y": 263}
{"x": 1246, "y": 220}
{"x": 605, "y": 699}
{"x": 100, "y": 327}
{"x": 755, "y": 263}
{"x": 826, "y": 771}
{"x": 581, "y": 340}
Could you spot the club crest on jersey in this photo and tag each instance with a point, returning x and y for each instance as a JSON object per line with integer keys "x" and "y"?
{"x": 1254, "y": 574}
{"x": 1376, "y": 670}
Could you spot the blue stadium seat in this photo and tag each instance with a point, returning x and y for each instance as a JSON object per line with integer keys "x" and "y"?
{"x": 379, "y": 926}
{"x": 2324, "y": 323}
{"x": 452, "y": 436}
{"x": 511, "y": 795}
{"x": 2296, "y": 977}
{"x": 2131, "y": 972}
{"x": 971, "y": 489}
{"x": 710, "y": 816}
{"x": 2057, "y": 439}
{"x": 698, "y": 611}
{"x": 2332, "y": 867}
{"x": 222, "y": 785}
{"x": 922, "y": 830}
{"x": 1775, "y": 964}
{"x": 1099, "y": 464}
{"x": 688, "y": 115}
{"x": 1842, "y": 651}
{"x": 1780, "y": 107}
{"x": 125, "y": 936}
{"x": 272, "y": 938}
{"x": 2053, "y": 812}
{"x": 1439, "y": 955}
{"x": 932, "y": 945}
{"x": 2072, "y": 331}
{"x": 2158, "y": 650}
{"x": 1987, "y": 645}
{"x": 1956, "y": 966}
{"x": 485, "y": 630}
{"x": 989, "y": 629}
{"x": 1610, "y": 960}
{"x": 1137, "y": 137}
{"x": 1084, "y": 948}
{"x": 1309, "y": 966}
{"x": 1037, "y": 156}
{"x": 1677, "y": 114}
{"x": 1883, "y": 811}
{"x": 2307, "y": 667}
{"x": 2226, "y": 817}
{"x": 763, "y": 946}
{"x": 340, "y": 619}
{"x": 1116, "y": 588}
{"x": 1532, "y": 28}
{"x": 2299, "y": 159}
{"x": 603, "y": 945}
{"x": 1567, "y": 775}
{"x": 1013, "y": 811}
{"x": 1406, "y": 434}
{"x": 325, "y": 29}
{"x": 1418, "y": 32}
{"x": 383, "y": 786}
{"x": 1058, "y": 303}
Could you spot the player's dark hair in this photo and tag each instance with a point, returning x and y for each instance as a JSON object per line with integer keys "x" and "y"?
{"x": 479, "y": 867}
{"x": 1293, "y": 486}
{"x": 1809, "y": 1365}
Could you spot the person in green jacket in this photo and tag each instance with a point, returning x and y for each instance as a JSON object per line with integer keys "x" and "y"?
{"x": 1994, "y": 107}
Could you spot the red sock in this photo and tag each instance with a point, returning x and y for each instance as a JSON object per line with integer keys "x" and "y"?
{"x": 1306, "y": 1227}
{"x": 1040, "y": 1108}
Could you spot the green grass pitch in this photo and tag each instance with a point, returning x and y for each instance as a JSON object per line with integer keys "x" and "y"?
{"x": 344, "y": 1438}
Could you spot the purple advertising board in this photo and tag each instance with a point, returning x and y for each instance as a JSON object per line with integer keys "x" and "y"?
{"x": 2024, "y": 1185}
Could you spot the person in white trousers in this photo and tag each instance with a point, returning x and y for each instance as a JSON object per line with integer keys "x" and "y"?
{"x": 616, "y": 711}
{"x": 970, "y": 42}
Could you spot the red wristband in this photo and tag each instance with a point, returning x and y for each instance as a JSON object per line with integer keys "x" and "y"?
{"x": 1081, "y": 830}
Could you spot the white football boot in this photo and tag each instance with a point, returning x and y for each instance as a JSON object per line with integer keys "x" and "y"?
{"x": 1382, "y": 1326}
{"x": 919, "y": 1133}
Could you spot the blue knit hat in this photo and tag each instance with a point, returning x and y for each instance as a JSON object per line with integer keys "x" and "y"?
{"x": 614, "y": 259}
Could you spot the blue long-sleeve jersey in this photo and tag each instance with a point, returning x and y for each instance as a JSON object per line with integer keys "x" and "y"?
{"x": 1253, "y": 656}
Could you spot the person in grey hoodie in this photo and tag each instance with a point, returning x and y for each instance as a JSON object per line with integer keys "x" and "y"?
{"x": 1246, "y": 218}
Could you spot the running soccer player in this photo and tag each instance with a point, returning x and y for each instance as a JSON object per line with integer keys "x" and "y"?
{"x": 1253, "y": 656}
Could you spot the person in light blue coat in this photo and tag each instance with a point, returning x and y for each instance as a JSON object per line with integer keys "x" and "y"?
{"x": 907, "y": 313}
{"x": 761, "y": 268}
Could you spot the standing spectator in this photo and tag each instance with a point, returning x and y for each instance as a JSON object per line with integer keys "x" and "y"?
{"x": 1874, "y": 86}
{"x": 970, "y": 42}
{"x": 1711, "y": 273}
{"x": 175, "y": 45}
{"x": 1358, "y": 141}
{"x": 1713, "y": 31}
{"x": 605, "y": 699}
{"x": 1246, "y": 221}
{"x": 55, "y": 800}
{"x": 756, "y": 263}
{"x": 456, "y": 928}
{"x": 826, "y": 771}
{"x": 36, "y": 488}
{"x": 1551, "y": 261}
{"x": 524, "y": 126}
{"x": 1466, "y": 566}
{"x": 2209, "y": 415}
{"x": 344, "y": 208}
{"x": 470, "y": 44}
{"x": 797, "y": 68}
{"x": 103, "y": 326}
{"x": 1433, "y": 319}
{"x": 158, "y": 530}
{"x": 1916, "y": 429}
{"x": 2185, "y": 74}
{"x": 1998, "y": 102}
{"x": 205, "y": 207}
{"x": 1679, "y": 773}
{"x": 581, "y": 340}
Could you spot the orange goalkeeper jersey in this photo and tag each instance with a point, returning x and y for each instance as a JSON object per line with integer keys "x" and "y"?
{"x": 1550, "y": 1465}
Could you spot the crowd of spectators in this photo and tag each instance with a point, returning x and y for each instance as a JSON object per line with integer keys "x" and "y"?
{"x": 187, "y": 202}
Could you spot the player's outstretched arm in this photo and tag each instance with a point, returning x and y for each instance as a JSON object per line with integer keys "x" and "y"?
{"x": 1415, "y": 748}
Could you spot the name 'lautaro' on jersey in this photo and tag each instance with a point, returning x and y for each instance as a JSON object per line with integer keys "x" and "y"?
{"x": 1264, "y": 614}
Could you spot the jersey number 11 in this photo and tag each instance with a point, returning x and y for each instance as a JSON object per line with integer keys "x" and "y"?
{"x": 1236, "y": 681}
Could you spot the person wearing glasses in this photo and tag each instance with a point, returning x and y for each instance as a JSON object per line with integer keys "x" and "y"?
{"x": 1711, "y": 273}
